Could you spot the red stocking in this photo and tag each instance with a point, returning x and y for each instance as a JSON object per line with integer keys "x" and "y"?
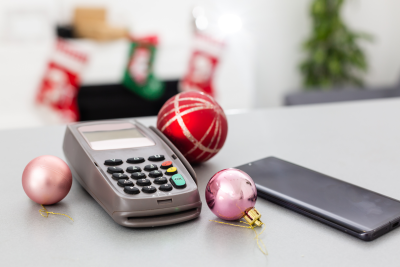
{"x": 59, "y": 87}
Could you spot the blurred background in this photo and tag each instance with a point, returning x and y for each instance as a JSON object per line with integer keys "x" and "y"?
{"x": 69, "y": 60}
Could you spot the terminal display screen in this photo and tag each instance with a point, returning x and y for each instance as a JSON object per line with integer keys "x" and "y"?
{"x": 114, "y": 136}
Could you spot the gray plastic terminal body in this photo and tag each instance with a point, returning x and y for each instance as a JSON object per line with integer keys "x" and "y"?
{"x": 141, "y": 210}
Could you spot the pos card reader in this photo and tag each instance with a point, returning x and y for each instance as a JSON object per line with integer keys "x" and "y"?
{"x": 135, "y": 173}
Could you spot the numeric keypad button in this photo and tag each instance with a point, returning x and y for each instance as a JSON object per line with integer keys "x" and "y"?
{"x": 113, "y": 162}
{"x": 160, "y": 180}
{"x": 135, "y": 160}
{"x": 149, "y": 189}
{"x": 124, "y": 182}
{"x": 155, "y": 174}
{"x": 165, "y": 187}
{"x": 138, "y": 175}
{"x": 132, "y": 169}
{"x": 151, "y": 167}
{"x": 143, "y": 182}
{"x": 131, "y": 190}
{"x": 156, "y": 158}
{"x": 117, "y": 176}
{"x": 115, "y": 170}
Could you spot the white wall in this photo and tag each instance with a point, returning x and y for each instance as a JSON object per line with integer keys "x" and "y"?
{"x": 382, "y": 20}
{"x": 285, "y": 25}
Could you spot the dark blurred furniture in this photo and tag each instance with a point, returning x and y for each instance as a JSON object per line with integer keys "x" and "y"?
{"x": 110, "y": 101}
{"x": 65, "y": 31}
{"x": 317, "y": 97}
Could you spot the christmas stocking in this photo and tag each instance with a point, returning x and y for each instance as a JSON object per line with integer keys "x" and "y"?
{"x": 202, "y": 65}
{"x": 139, "y": 76}
{"x": 59, "y": 87}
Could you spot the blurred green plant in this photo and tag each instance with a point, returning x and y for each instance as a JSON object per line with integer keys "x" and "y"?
{"x": 334, "y": 58}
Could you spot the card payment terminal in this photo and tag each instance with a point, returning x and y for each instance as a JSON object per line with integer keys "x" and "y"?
{"x": 135, "y": 173}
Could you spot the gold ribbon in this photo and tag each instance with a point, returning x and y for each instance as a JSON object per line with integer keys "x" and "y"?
{"x": 260, "y": 243}
{"x": 46, "y": 213}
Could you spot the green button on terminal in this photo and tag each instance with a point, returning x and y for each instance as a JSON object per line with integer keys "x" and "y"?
{"x": 177, "y": 181}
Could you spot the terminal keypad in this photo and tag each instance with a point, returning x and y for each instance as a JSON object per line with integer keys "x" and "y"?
{"x": 141, "y": 178}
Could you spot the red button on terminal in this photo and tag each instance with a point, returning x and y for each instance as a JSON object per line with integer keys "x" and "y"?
{"x": 166, "y": 164}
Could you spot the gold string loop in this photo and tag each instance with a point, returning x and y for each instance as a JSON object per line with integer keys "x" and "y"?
{"x": 46, "y": 213}
{"x": 260, "y": 243}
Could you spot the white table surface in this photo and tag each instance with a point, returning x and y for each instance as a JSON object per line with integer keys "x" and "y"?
{"x": 356, "y": 142}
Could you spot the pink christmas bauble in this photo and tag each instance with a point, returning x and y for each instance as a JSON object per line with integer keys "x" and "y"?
{"x": 230, "y": 193}
{"x": 195, "y": 124}
{"x": 47, "y": 179}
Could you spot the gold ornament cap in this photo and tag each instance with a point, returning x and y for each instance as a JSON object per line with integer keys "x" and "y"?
{"x": 253, "y": 217}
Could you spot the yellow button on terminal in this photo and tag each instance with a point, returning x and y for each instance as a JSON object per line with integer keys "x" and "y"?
{"x": 171, "y": 171}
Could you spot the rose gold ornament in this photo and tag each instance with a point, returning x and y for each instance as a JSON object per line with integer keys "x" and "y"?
{"x": 47, "y": 179}
{"x": 231, "y": 194}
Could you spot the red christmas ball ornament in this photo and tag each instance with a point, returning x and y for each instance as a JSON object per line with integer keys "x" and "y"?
{"x": 195, "y": 123}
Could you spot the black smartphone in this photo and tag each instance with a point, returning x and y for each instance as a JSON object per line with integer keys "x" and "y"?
{"x": 347, "y": 207}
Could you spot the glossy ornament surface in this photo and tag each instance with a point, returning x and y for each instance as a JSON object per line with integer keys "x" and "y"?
{"x": 195, "y": 124}
{"x": 230, "y": 193}
{"x": 46, "y": 179}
